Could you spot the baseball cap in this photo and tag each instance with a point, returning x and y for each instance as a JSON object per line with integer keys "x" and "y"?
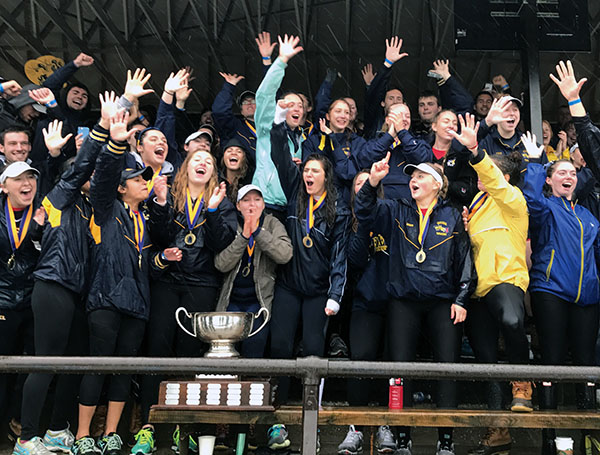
{"x": 245, "y": 94}
{"x": 246, "y": 189}
{"x": 24, "y": 99}
{"x": 129, "y": 173}
{"x": 517, "y": 101}
{"x": 17, "y": 168}
{"x": 197, "y": 134}
{"x": 424, "y": 167}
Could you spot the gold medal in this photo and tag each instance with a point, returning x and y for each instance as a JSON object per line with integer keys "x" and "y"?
{"x": 421, "y": 256}
{"x": 140, "y": 261}
{"x": 307, "y": 241}
{"x": 246, "y": 271}
{"x": 10, "y": 264}
{"x": 190, "y": 238}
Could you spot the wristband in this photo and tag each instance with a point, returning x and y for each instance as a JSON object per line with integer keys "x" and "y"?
{"x": 141, "y": 117}
{"x": 388, "y": 61}
{"x": 163, "y": 257}
{"x": 266, "y": 58}
{"x": 212, "y": 210}
{"x": 51, "y": 103}
{"x": 1, "y": 89}
{"x": 474, "y": 147}
{"x": 574, "y": 102}
{"x": 504, "y": 87}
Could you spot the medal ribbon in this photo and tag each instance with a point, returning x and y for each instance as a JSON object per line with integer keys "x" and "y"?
{"x": 477, "y": 204}
{"x": 424, "y": 222}
{"x": 311, "y": 209}
{"x": 150, "y": 184}
{"x": 139, "y": 224}
{"x": 395, "y": 144}
{"x": 192, "y": 210}
{"x": 251, "y": 127}
{"x": 17, "y": 235}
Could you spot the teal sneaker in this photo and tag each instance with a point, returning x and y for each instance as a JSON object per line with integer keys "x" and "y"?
{"x": 278, "y": 437}
{"x": 192, "y": 445}
{"x": 144, "y": 442}
{"x": 85, "y": 446}
{"x": 34, "y": 446}
{"x": 111, "y": 444}
{"x": 59, "y": 441}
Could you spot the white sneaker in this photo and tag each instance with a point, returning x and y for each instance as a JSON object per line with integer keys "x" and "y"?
{"x": 59, "y": 441}
{"x": 34, "y": 446}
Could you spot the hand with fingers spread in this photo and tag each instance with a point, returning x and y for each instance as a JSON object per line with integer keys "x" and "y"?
{"x": 217, "y": 196}
{"x": 54, "y": 139}
{"x": 379, "y": 170}
{"x": 265, "y": 46}
{"x": 288, "y": 47}
{"x": 498, "y": 111}
{"x": 118, "y": 127}
{"x": 232, "y": 79}
{"x": 442, "y": 67}
{"x": 176, "y": 81}
{"x": 323, "y": 126}
{"x": 108, "y": 108}
{"x": 368, "y": 74}
{"x": 10, "y": 88}
{"x": 134, "y": 88}
{"x": 468, "y": 132}
{"x": 173, "y": 254}
{"x": 83, "y": 60}
{"x": 530, "y": 142}
{"x": 392, "y": 51}
{"x": 43, "y": 96}
{"x": 569, "y": 87}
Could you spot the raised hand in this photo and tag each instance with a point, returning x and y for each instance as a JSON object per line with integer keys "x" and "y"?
{"x": 379, "y": 170}
{"x": 176, "y": 81}
{"x": 161, "y": 189}
{"x": 134, "y": 88}
{"x": 118, "y": 127}
{"x": 288, "y": 47}
{"x": 530, "y": 143}
{"x": 173, "y": 254}
{"x": 53, "y": 138}
{"x": 217, "y": 196}
{"x": 83, "y": 60}
{"x": 368, "y": 74}
{"x": 468, "y": 132}
{"x": 232, "y": 79}
{"x": 323, "y": 126}
{"x": 11, "y": 88}
{"x": 392, "y": 50}
{"x": 108, "y": 108}
{"x": 566, "y": 82}
{"x": 497, "y": 112}
{"x": 265, "y": 46}
{"x": 42, "y": 95}
{"x": 394, "y": 122}
{"x": 442, "y": 67}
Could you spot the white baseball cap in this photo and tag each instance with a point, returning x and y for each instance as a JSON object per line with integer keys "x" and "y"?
{"x": 246, "y": 189}
{"x": 424, "y": 167}
{"x": 17, "y": 168}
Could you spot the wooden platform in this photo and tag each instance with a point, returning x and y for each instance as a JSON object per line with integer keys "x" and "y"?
{"x": 416, "y": 417}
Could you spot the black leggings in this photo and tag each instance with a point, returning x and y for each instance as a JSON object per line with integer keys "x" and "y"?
{"x": 501, "y": 310}
{"x": 563, "y": 325}
{"x": 54, "y": 306}
{"x": 367, "y": 331}
{"x": 111, "y": 334}
{"x": 165, "y": 338}
{"x": 289, "y": 308}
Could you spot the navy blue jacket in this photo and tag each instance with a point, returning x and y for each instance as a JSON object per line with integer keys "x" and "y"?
{"x": 453, "y": 95}
{"x": 448, "y": 272}
{"x": 374, "y": 114}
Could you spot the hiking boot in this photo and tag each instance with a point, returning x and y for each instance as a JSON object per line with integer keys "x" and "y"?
{"x": 34, "y": 446}
{"x": 496, "y": 441}
{"x": 278, "y": 437}
{"x": 404, "y": 448}
{"x": 192, "y": 443}
{"x": 352, "y": 443}
{"x": 85, "y": 446}
{"x": 445, "y": 448}
{"x": 111, "y": 444}
{"x": 144, "y": 442}
{"x": 384, "y": 440}
{"x": 521, "y": 392}
{"x": 59, "y": 441}
{"x": 337, "y": 347}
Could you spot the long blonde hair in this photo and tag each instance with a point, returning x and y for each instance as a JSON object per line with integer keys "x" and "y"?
{"x": 180, "y": 184}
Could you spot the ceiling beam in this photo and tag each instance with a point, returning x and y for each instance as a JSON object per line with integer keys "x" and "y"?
{"x": 206, "y": 35}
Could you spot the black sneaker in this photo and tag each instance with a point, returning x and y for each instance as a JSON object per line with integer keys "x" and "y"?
{"x": 337, "y": 347}
{"x": 111, "y": 444}
{"x": 85, "y": 446}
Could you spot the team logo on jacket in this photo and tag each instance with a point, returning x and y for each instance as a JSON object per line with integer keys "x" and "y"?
{"x": 441, "y": 228}
{"x": 378, "y": 243}
{"x": 451, "y": 162}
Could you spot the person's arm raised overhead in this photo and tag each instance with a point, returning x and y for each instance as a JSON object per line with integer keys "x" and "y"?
{"x": 265, "y": 47}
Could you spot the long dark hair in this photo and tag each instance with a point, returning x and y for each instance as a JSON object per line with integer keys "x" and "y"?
{"x": 510, "y": 165}
{"x": 330, "y": 200}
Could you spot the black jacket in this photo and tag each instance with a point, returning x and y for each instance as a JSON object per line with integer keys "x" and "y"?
{"x": 66, "y": 241}
{"x": 448, "y": 272}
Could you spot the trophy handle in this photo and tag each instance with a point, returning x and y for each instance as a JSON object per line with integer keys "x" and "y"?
{"x": 179, "y": 310}
{"x": 256, "y": 316}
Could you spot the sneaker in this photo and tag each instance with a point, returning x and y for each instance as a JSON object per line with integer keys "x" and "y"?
{"x": 144, "y": 442}
{"x": 521, "y": 392}
{"x": 337, "y": 347}
{"x": 445, "y": 448}
{"x": 59, "y": 441}
{"x": 34, "y": 446}
{"x": 384, "y": 440}
{"x": 352, "y": 443}
{"x": 85, "y": 446}
{"x": 111, "y": 444}
{"x": 404, "y": 448}
{"x": 14, "y": 430}
{"x": 278, "y": 437}
{"x": 192, "y": 443}
{"x": 496, "y": 441}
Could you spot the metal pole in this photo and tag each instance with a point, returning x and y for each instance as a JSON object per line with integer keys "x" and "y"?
{"x": 310, "y": 368}
{"x": 530, "y": 57}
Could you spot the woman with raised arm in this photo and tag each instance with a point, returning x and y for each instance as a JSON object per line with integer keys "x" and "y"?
{"x": 564, "y": 288}
{"x": 497, "y": 224}
{"x": 431, "y": 277}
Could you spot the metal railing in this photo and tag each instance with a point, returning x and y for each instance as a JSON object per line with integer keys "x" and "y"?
{"x": 309, "y": 369}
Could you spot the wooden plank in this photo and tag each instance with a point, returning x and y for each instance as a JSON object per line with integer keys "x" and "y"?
{"x": 418, "y": 417}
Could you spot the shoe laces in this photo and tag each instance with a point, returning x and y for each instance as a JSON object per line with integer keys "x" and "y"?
{"x": 145, "y": 436}
{"x": 85, "y": 444}
{"x": 113, "y": 442}
{"x": 275, "y": 430}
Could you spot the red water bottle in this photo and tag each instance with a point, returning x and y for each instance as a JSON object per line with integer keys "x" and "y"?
{"x": 396, "y": 400}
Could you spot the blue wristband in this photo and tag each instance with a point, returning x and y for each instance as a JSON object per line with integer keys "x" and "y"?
{"x": 574, "y": 102}
{"x": 266, "y": 58}
{"x": 211, "y": 210}
{"x": 387, "y": 60}
{"x": 141, "y": 117}
{"x": 1, "y": 89}
{"x": 51, "y": 103}
{"x": 162, "y": 256}
{"x": 504, "y": 87}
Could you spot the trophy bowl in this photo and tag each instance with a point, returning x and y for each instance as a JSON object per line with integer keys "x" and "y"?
{"x": 222, "y": 329}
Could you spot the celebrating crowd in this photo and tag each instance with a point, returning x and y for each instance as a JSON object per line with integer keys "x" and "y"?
{"x": 291, "y": 209}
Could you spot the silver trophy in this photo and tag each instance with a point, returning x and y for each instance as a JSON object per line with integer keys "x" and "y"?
{"x": 222, "y": 329}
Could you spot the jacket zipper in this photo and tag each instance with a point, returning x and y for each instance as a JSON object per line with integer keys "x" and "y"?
{"x": 549, "y": 268}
